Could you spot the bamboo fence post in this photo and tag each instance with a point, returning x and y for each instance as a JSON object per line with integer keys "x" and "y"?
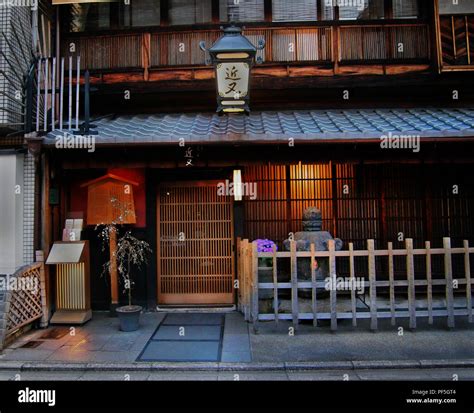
{"x": 448, "y": 272}
{"x": 314, "y": 302}
{"x": 372, "y": 284}
{"x": 255, "y": 286}
{"x": 275, "y": 285}
{"x": 294, "y": 285}
{"x": 333, "y": 289}
{"x": 467, "y": 272}
{"x": 429, "y": 281}
{"x": 352, "y": 277}
{"x": 411, "y": 282}
{"x": 391, "y": 279}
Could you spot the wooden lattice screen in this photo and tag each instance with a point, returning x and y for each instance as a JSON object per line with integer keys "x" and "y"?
{"x": 195, "y": 255}
{"x": 26, "y": 302}
{"x": 384, "y": 202}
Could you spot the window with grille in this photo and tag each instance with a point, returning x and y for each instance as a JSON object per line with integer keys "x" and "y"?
{"x": 85, "y": 17}
{"x": 242, "y": 11}
{"x": 183, "y": 12}
{"x": 362, "y": 10}
{"x": 405, "y": 9}
{"x": 144, "y": 13}
{"x": 294, "y": 11}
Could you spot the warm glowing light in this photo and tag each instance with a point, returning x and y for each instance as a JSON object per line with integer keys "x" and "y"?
{"x": 237, "y": 185}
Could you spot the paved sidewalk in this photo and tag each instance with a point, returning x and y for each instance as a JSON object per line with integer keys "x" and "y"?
{"x": 315, "y": 344}
{"x": 99, "y": 344}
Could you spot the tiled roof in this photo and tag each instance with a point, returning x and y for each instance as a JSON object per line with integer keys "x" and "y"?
{"x": 307, "y": 125}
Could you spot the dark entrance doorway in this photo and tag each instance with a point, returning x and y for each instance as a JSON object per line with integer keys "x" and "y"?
{"x": 195, "y": 244}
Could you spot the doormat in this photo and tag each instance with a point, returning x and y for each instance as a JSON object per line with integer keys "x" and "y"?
{"x": 186, "y": 338}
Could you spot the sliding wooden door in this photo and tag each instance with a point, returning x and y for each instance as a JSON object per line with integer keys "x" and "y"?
{"x": 195, "y": 245}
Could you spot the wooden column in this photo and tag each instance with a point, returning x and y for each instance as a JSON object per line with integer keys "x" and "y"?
{"x": 335, "y": 40}
{"x": 114, "y": 292}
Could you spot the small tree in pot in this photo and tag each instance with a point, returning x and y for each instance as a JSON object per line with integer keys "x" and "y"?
{"x": 130, "y": 252}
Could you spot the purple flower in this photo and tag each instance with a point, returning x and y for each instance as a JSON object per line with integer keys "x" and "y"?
{"x": 265, "y": 245}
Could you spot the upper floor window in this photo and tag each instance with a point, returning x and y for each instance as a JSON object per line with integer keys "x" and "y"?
{"x": 294, "y": 11}
{"x": 142, "y": 13}
{"x": 362, "y": 10}
{"x": 182, "y": 12}
{"x": 85, "y": 17}
{"x": 405, "y": 9}
{"x": 242, "y": 10}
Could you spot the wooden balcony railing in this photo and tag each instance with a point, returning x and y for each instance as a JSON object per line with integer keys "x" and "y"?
{"x": 369, "y": 43}
{"x": 317, "y": 45}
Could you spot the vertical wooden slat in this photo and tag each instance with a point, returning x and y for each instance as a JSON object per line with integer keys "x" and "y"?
{"x": 38, "y": 95}
{"x": 255, "y": 309}
{"x": 275, "y": 285}
{"x": 333, "y": 289}
{"x": 372, "y": 284}
{"x": 53, "y": 96}
{"x": 448, "y": 272}
{"x": 46, "y": 88}
{"x": 78, "y": 83}
{"x": 61, "y": 95}
{"x": 294, "y": 285}
{"x": 429, "y": 281}
{"x": 314, "y": 302}
{"x": 391, "y": 282}
{"x": 70, "y": 94}
{"x": 352, "y": 277}
{"x": 411, "y": 282}
{"x": 467, "y": 272}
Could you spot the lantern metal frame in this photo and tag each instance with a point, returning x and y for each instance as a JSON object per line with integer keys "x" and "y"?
{"x": 233, "y": 47}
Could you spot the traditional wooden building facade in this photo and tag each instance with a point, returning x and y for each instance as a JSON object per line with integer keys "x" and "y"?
{"x": 340, "y": 83}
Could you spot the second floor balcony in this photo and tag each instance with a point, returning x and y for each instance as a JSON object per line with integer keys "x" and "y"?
{"x": 304, "y": 38}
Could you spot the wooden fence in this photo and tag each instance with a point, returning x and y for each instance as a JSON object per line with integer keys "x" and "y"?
{"x": 24, "y": 302}
{"x": 411, "y": 286}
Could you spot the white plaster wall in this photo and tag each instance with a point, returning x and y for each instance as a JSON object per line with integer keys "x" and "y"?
{"x": 11, "y": 212}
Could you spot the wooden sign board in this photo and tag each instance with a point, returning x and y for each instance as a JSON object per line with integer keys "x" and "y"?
{"x": 110, "y": 200}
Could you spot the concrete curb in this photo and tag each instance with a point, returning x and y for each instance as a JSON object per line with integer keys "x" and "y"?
{"x": 289, "y": 366}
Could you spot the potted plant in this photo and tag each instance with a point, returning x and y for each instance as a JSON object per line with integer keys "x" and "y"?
{"x": 131, "y": 252}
